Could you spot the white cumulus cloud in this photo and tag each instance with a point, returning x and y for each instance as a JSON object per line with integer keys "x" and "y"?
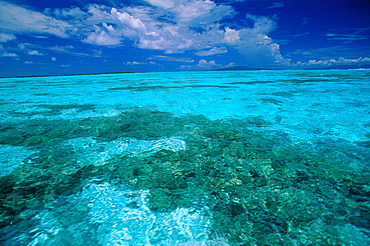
{"x": 35, "y": 53}
{"x": 203, "y": 65}
{"x": 126, "y": 20}
{"x": 160, "y": 27}
{"x": 171, "y": 26}
{"x": 208, "y": 65}
{"x": 231, "y": 35}
{"x": 254, "y": 43}
{"x": 6, "y": 37}
{"x": 101, "y": 37}
{"x": 4, "y": 53}
{"x": 334, "y": 62}
{"x": 207, "y": 11}
{"x": 7, "y": 54}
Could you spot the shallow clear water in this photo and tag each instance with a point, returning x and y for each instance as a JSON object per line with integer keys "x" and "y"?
{"x": 200, "y": 158}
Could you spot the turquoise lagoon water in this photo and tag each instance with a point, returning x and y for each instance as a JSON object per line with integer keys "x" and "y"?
{"x": 200, "y": 158}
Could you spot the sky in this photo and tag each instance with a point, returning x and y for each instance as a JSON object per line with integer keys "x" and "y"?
{"x": 52, "y": 37}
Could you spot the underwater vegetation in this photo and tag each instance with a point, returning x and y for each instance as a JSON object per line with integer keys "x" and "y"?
{"x": 258, "y": 186}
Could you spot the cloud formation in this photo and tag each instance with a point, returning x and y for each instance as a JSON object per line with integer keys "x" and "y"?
{"x": 20, "y": 20}
{"x": 203, "y": 64}
{"x": 335, "y": 62}
{"x": 133, "y": 63}
{"x": 35, "y": 53}
{"x": 6, "y": 37}
{"x": 4, "y": 53}
{"x": 213, "y": 51}
{"x": 254, "y": 42}
{"x": 165, "y": 25}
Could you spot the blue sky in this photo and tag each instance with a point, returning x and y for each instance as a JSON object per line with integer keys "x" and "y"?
{"x": 83, "y": 36}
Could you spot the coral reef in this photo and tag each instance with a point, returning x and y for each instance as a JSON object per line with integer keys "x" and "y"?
{"x": 258, "y": 186}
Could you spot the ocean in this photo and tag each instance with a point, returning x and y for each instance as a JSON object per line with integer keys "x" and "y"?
{"x": 186, "y": 158}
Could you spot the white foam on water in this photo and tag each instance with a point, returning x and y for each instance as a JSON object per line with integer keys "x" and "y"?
{"x": 103, "y": 214}
{"x": 122, "y": 223}
{"x": 97, "y": 152}
{"x": 69, "y": 114}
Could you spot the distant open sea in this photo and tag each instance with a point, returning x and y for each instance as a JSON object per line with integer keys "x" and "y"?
{"x": 188, "y": 158}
